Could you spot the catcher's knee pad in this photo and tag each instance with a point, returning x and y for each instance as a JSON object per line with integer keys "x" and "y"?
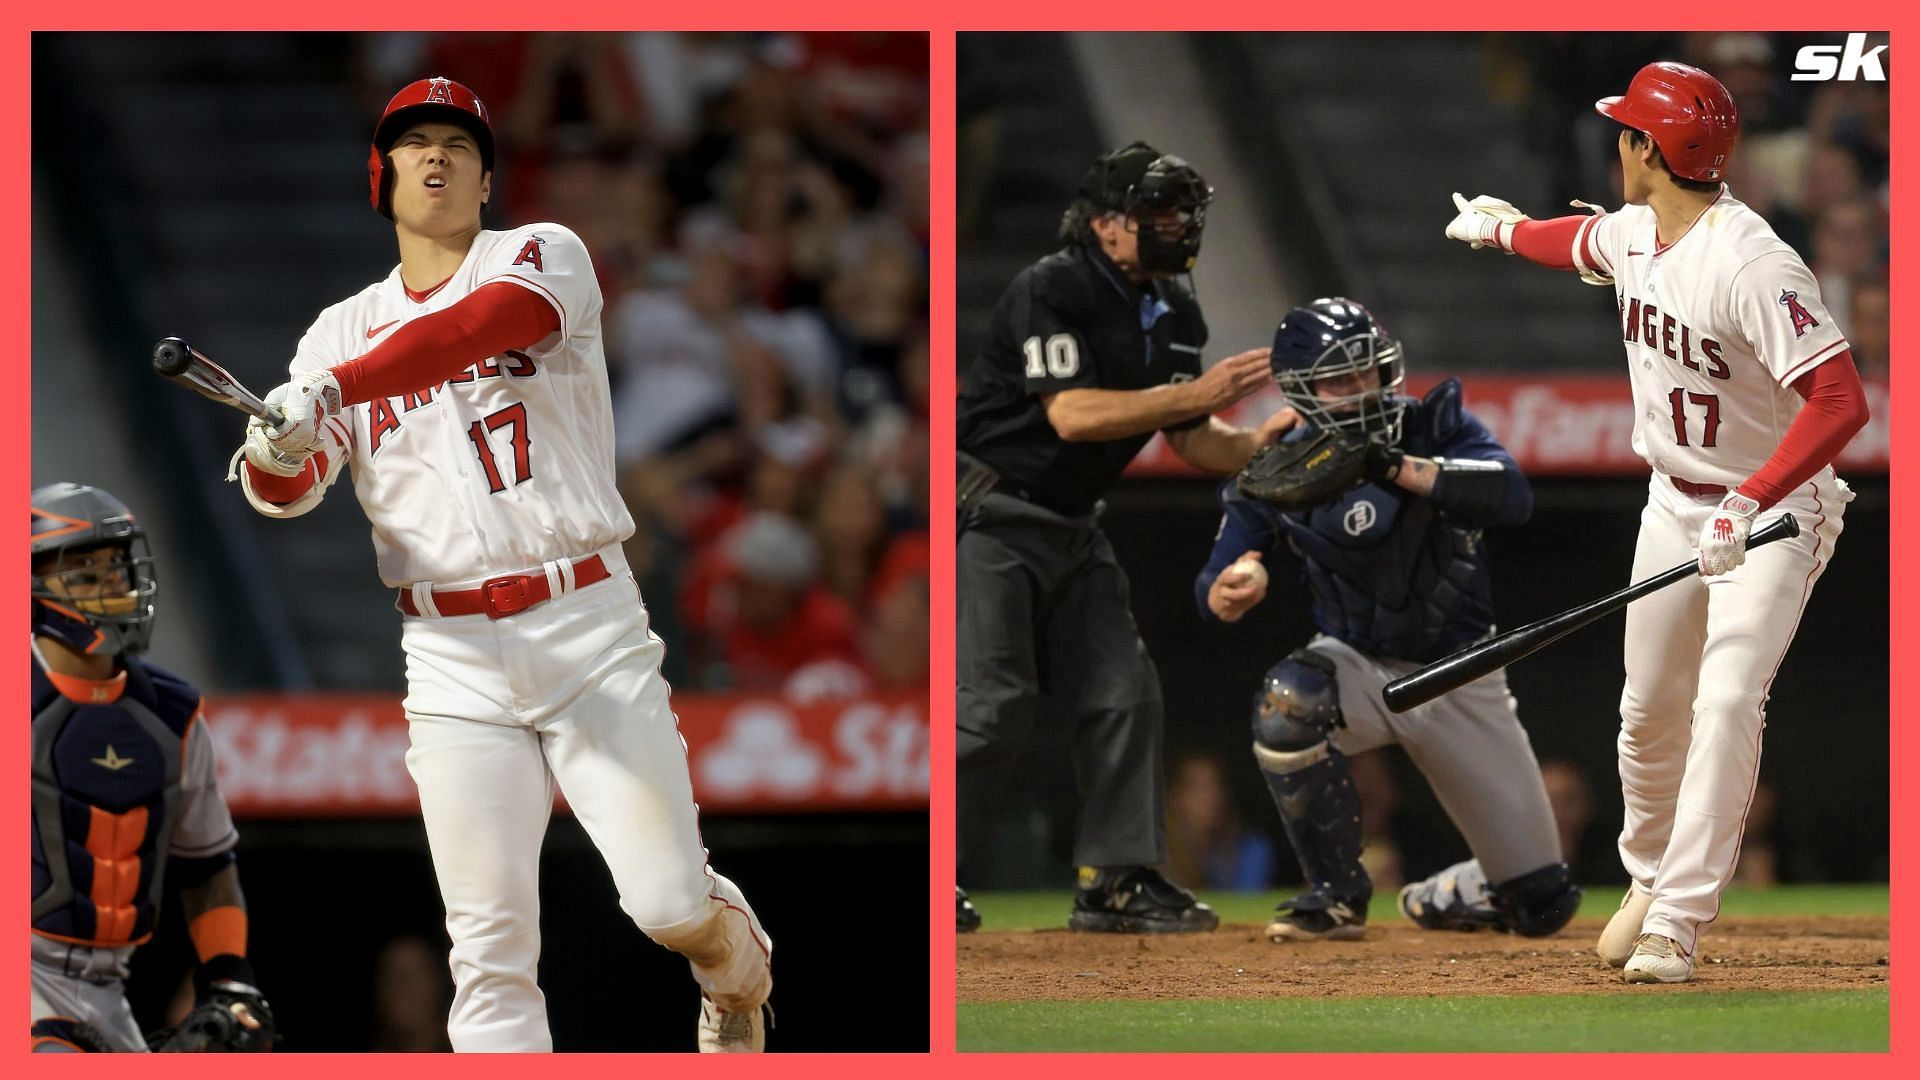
{"x": 723, "y": 941}
{"x": 1297, "y": 706}
{"x": 1540, "y": 902}
{"x": 65, "y": 1035}
{"x": 1312, "y": 785}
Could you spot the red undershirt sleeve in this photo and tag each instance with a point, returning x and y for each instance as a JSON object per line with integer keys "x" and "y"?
{"x": 434, "y": 348}
{"x": 1550, "y": 242}
{"x": 1835, "y": 411}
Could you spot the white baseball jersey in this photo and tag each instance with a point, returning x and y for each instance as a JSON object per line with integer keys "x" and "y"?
{"x": 505, "y": 466}
{"x": 502, "y": 467}
{"x": 1717, "y": 327}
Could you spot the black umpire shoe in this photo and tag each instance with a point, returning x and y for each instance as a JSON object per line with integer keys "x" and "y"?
{"x": 969, "y": 919}
{"x": 1319, "y": 916}
{"x": 1137, "y": 900}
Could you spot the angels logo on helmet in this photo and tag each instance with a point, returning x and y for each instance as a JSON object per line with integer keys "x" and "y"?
{"x": 435, "y": 99}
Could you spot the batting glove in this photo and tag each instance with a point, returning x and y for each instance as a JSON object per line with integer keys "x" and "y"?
{"x": 1723, "y": 540}
{"x": 306, "y": 400}
{"x": 1484, "y": 221}
{"x": 262, "y": 453}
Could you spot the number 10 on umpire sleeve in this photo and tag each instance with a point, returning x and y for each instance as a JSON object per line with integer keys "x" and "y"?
{"x": 515, "y": 417}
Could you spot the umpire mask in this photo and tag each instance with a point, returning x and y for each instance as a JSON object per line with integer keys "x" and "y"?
{"x": 1340, "y": 370}
{"x": 1164, "y": 195}
{"x": 93, "y": 580}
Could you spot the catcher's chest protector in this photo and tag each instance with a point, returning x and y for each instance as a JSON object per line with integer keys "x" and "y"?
{"x": 106, "y": 784}
{"x": 1388, "y": 574}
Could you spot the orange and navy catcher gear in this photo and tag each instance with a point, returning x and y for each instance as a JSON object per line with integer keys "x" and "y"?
{"x": 1688, "y": 113}
{"x": 437, "y": 99}
{"x": 106, "y": 790}
{"x": 66, "y": 1035}
{"x": 69, "y": 519}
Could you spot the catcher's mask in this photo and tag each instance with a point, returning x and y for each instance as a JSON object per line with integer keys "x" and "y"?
{"x": 93, "y": 580}
{"x": 1163, "y": 194}
{"x": 1336, "y": 345}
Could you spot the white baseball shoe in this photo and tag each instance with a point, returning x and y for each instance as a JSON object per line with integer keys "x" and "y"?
{"x": 732, "y": 1033}
{"x": 1623, "y": 930}
{"x": 1658, "y": 959}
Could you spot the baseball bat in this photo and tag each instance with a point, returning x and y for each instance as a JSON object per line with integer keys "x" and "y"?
{"x": 1458, "y": 669}
{"x": 188, "y": 366}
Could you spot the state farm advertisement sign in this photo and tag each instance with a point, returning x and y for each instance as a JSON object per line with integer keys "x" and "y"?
{"x": 1568, "y": 425}
{"x": 328, "y": 754}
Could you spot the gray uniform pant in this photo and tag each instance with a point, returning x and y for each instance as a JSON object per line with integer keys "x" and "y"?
{"x": 85, "y": 984}
{"x": 1043, "y": 609}
{"x": 1471, "y": 748}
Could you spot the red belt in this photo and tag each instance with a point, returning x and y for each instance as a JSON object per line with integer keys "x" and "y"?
{"x": 500, "y": 597}
{"x": 1688, "y": 487}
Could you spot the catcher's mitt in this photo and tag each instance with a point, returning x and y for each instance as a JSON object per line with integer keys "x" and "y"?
{"x": 231, "y": 1018}
{"x": 1305, "y": 472}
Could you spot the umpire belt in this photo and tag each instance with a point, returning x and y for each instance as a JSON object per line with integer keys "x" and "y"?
{"x": 510, "y": 594}
{"x": 977, "y": 480}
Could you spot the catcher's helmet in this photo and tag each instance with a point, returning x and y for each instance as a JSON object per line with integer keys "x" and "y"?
{"x": 1335, "y": 338}
{"x": 69, "y": 604}
{"x": 429, "y": 100}
{"x": 1688, "y": 114}
{"x": 1139, "y": 180}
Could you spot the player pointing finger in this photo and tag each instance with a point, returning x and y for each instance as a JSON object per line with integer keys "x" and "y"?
{"x": 1744, "y": 391}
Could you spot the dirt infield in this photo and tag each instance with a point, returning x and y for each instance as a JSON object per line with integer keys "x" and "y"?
{"x": 1752, "y": 953}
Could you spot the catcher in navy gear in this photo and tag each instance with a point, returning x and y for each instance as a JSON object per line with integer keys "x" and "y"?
{"x": 123, "y": 792}
{"x": 1398, "y": 572}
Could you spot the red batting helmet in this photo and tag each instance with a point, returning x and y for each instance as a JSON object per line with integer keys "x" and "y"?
{"x": 437, "y": 99}
{"x": 1686, "y": 112}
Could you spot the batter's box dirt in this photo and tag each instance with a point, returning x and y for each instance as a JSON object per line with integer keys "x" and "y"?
{"x": 1841, "y": 952}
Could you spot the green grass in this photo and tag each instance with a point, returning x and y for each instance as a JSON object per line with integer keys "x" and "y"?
{"x": 1048, "y": 910}
{"x": 1773, "y": 1021}
{"x": 1844, "y": 1020}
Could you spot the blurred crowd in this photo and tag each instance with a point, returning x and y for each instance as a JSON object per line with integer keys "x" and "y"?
{"x": 1812, "y": 157}
{"x": 757, "y": 208}
{"x": 1211, "y": 846}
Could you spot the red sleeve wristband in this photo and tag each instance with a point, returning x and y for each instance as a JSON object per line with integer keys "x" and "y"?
{"x": 281, "y": 490}
{"x": 1549, "y": 243}
{"x": 1835, "y": 411}
{"x": 434, "y": 348}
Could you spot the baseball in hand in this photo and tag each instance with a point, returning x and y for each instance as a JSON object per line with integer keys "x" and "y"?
{"x": 1247, "y": 572}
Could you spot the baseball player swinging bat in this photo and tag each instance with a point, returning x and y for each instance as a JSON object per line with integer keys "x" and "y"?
{"x": 184, "y": 364}
{"x": 1452, "y": 672}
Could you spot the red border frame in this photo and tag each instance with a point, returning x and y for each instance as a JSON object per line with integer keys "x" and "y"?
{"x": 1508, "y": 15}
{"x": 941, "y": 20}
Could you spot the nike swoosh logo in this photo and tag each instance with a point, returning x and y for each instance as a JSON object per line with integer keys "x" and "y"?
{"x": 374, "y": 331}
{"x": 1630, "y": 251}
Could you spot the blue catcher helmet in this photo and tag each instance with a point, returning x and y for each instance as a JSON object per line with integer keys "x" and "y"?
{"x": 1340, "y": 370}
{"x": 102, "y": 606}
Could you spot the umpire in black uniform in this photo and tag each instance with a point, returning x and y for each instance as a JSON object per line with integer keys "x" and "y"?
{"x": 1091, "y": 350}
